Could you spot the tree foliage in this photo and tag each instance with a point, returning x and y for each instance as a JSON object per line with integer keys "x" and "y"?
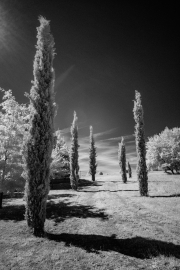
{"x": 140, "y": 145}
{"x": 14, "y": 124}
{"x": 60, "y": 166}
{"x": 92, "y": 155}
{"x": 74, "y": 165}
{"x": 39, "y": 145}
{"x": 122, "y": 160}
{"x": 164, "y": 150}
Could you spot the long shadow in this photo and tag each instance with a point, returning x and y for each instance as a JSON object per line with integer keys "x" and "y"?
{"x": 138, "y": 247}
{"x": 12, "y": 212}
{"x": 58, "y": 196}
{"x": 103, "y": 190}
{"x": 166, "y": 196}
{"x": 66, "y": 185}
{"x": 160, "y": 181}
{"x": 57, "y": 212}
{"x": 64, "y": 210}
{"x": 85, "y": 183}
{"x": 118, "y": 182}
{"x": 60, "y": 186}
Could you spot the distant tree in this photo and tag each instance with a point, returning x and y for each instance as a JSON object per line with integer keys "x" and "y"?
{"x": 74, "y": 166}
{"x": 140, "y": 145}
{"x": 129, "y": 170}
{"x": 14, "y": 124}
{"x": 39, "y": 145}
{"x": 92, "y": 155}
{"x": 122, "y": 160}
{"x": 163, "y": 150}
{"x": 60, "y": 166}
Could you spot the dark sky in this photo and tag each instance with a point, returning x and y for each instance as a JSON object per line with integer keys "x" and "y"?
{"x": 104, "y": 52}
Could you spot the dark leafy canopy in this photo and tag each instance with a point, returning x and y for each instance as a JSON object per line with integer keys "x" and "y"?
{"x": 40, "y": 142}
{"x": 92, "y": 155}
{"x": 140, "y": 145}
{"x": 122, "y": 160}
{"x": 74, "y": 165}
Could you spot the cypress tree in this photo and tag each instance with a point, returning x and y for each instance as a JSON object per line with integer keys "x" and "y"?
{"x": 92, "y": 155}
{"x": 129, "y": 170}
{"x": 142, "y": 174}
{"x": 39, "y": 144}
{"x": 74, "y": 166}
{"x": 122, "y": 160}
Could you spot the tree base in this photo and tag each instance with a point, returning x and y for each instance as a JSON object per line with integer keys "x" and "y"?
{"x": 38, "y": 233}
{"x": 74, "y": 182}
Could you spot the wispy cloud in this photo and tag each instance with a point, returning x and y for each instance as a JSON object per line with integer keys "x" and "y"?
{"x": 106, "y": 132}
{"x": 63, "y": 76}
{"x": 126, "y": 137}
{"x": 107, "y": 151}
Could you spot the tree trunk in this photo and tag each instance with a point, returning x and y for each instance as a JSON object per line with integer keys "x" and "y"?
{"x": 73, "y": 180}
{"x": 93, "y": 177}
{"x": 1, "y": 197}
{"x": 4, "y": 171}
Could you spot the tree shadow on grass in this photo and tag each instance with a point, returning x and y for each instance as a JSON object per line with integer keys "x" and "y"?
{"x": 58, "y": 196}
{"x": 166, "y": 196}
{"x": 57, "y": 212}
{"x": 12, "y": 212}
{"x": 85, "y": 183}
{"x": 106, "y": 190}
{"x": 60, "y": 186}
{"x": 138, "y": 247}
{"x": 64, "y": 210}
{"x": 115, "y": 182}
{"x": 66, "y": 185}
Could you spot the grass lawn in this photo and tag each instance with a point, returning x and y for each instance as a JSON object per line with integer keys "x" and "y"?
{"x": 105, "y": 225}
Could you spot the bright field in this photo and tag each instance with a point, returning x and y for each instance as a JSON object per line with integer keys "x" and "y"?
{"x": 106, "y": 225}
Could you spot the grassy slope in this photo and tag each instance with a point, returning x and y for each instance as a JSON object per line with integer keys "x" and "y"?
{"x": 106, "y": 225}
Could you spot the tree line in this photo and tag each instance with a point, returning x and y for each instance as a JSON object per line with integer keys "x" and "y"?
{"x": 32, "y": 126}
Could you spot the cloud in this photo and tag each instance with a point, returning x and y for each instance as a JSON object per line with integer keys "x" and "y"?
{"x": 107, "y": 132}
{"x": 126, "y": 137}
{"x": 107, "y": 151}
{"x": 107, "y": 154}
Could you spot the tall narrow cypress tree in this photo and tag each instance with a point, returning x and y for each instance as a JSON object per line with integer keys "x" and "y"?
{"x": 74, "y": 166}
{"x": 92, "y": 155}
{"x": 129, "y": 170}
{"x": 122, "y": 160}
{"x": 142, "y": 174}
{"x": 39, "y": 144}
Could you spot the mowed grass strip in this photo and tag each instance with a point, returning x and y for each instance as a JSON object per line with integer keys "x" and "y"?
{"x": 105, "y": 225}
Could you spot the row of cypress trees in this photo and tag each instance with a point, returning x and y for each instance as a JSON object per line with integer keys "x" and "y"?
{"x": 41, "y": 140}
{"x": 122, "y": 161}
{"x": 38, "y": 146}
{"x": 142, "y": 174}
{"x": 74, "y": 166}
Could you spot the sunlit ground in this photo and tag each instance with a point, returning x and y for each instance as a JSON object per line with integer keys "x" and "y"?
{"x": 105, "y": 225}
